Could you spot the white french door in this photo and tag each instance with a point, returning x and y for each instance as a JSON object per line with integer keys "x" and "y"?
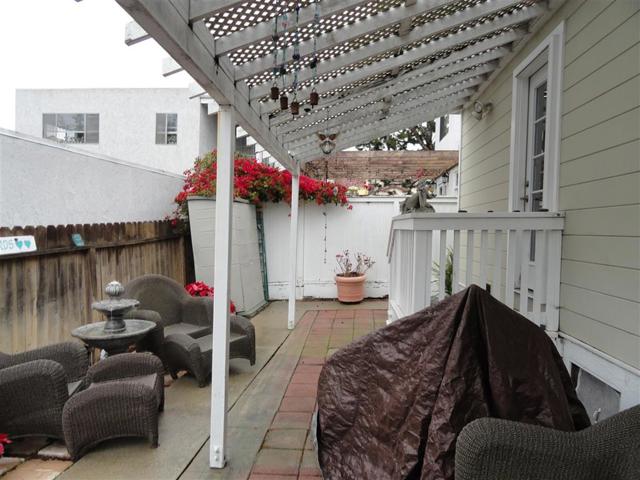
{"x": 536, "y": 148}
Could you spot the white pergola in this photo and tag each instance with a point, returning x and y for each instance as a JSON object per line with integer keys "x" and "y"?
{"x": 381, "y": 66}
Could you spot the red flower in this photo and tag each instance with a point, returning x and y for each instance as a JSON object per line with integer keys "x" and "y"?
{"x": 201, "y": 289}
{"x": 257, "y": 183}
{"x": 4, "y": 439}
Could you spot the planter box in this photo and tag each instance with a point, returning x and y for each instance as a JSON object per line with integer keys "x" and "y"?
{"x": 246, "y": 277}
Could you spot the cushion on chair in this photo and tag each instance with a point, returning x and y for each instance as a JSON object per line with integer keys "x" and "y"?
{"x": 186, "y": 329}
{"x": 147, "y": 380}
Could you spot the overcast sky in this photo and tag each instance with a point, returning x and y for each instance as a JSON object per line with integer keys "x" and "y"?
{"x": 69, "y": 44}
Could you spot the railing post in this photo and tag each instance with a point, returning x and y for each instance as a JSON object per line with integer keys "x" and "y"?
{"x": 420, "y": 285}
{"x": 554, "y": 259}
{"x": 221, "y": 302}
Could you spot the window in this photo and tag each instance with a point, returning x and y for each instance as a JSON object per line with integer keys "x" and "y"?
{"x": 71, "y": 127}
{"x": 166, "y": 128}
{"x": 444, "y": 126}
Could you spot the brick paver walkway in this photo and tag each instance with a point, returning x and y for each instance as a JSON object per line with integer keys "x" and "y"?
{"x": 287, "y": 452}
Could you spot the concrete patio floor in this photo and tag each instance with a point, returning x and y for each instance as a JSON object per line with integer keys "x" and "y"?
{"x": 270, "y": 405}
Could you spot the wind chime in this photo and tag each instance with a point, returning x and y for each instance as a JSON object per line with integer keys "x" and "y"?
{"x": 280, "y": 69}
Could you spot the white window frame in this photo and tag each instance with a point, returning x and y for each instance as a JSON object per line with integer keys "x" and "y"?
{"x": 551, "y": 52}
{"x": 166, "y": 132}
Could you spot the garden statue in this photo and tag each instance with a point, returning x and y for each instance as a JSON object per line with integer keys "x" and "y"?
{"x": 418, "y": 202}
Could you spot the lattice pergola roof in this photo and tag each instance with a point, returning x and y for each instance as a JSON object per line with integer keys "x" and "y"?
{"x": 381, "y": 65}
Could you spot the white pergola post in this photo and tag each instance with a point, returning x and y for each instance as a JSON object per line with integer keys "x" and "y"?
{"x": 293, "y": 245}
{"x": 221, "y": 303}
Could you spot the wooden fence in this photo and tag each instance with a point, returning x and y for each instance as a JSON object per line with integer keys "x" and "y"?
{"x": 47, "y": 293}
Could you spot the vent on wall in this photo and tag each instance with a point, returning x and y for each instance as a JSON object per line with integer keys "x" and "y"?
{"x": 600, "y": 400}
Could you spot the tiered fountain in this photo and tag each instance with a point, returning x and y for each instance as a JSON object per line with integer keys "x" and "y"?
{"x": 116, "y": 334}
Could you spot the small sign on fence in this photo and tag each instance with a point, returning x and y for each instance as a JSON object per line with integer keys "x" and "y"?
{"x": 20, "y": 244}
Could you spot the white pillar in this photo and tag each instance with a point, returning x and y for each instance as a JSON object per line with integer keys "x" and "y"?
{"x": 293, "y": 245}
{"x": 222, "y": 259}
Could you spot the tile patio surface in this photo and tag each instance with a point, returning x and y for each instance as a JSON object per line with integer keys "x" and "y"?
{"x": 270, "y": 406}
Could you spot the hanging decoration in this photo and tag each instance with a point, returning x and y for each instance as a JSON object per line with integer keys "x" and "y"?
{"x": 284, "y": 100}
{"x": 314, "y": 97}
{"x": 275, "y": 91}
{"x": 295, "y": 105}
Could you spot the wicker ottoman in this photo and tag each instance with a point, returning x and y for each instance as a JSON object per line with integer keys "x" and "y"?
{"x": 122, "y": 398}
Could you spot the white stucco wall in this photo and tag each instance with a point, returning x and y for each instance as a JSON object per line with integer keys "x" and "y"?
{"x": 365, "y": 228}
{"x": 45, "y": 183}
{"x": 127, "y": 122}
{"x": 451, "y": 141}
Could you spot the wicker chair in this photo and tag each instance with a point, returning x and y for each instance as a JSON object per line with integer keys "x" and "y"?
{"x": 166, "y": 302}
{"x": 35, "y": 385}
{"x": 122, "y": 397}
{"x": 489, "y": 449}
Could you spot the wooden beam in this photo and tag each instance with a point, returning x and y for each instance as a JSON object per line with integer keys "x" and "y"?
{"x": 407, "y": 57}
{"x": 293, "y": 246}
{"x": 170, "y": 67}
{"x": 392, "y": 43}
{"x": 133, "y": 34}
{"x": 203, "y": 9}
{"x": 264, "y": 30}
{"x": 438, "y": 79}
{"x": 364, "y": 27}
{"x": 407, "y": 115}
{"x": 415, "y": 98}
{"x": 379, "y": 129}
{"x": 222, "y": 281}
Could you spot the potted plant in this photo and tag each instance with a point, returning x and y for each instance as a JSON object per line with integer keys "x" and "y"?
{"x": 351, "y": 276}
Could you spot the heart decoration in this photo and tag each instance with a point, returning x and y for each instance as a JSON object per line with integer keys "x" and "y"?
{"x": 18, "y": 243}
{"x": 27, "y": 243}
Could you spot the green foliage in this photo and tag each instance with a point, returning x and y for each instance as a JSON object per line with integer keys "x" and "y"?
{"x": 448, "y": 273}
{"x": 420, "y": 135}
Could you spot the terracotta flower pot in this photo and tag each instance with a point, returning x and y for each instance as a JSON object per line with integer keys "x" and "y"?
{"x": 350, "y": 289}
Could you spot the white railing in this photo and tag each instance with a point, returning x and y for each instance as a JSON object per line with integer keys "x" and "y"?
{"x": 514, "y": 255}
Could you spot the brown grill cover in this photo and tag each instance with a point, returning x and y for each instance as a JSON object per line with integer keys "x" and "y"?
{"x": 391, "y": 404}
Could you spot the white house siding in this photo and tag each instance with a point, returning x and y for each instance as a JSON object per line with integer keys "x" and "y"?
{"x": 127, "y": 122}
{"x": 599, "y": 170}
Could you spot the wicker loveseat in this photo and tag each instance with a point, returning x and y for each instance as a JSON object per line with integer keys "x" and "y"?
{"x": 490, "y": 449}
{"x": 177, "y": 313}
{"x": 35, "y": 385}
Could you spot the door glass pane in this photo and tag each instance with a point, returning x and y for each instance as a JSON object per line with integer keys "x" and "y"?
{"x": 541, "y": 101}
{"x": 536, "y": 202}
{"x": 538, "y": 172}
{"x": 538, "y": 137}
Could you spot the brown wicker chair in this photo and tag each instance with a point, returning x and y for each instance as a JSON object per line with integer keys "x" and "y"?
{"x": 35, "y": 385}
{"x": 490, "y": 448}
{"x": 122, "y": 397}
{"x": 180, "y": 313}
{"x": 193, "y": 354}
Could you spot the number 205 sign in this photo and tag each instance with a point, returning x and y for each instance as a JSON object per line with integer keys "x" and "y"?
{"x": 20, "y": 244}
